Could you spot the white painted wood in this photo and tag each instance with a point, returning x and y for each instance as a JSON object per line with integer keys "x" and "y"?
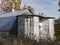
{"x": 51, "y": 28}
{"x": 36, "y": 28}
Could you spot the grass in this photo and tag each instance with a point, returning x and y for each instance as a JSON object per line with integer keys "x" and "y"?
{"x": 25, "y": 41}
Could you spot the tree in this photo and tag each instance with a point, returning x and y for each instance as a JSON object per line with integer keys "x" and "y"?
{"x": 16, "y": 4}
{"x": 6, "y": 6}
{"x": 57, "y": 28}
{"x": 59, "y": 5}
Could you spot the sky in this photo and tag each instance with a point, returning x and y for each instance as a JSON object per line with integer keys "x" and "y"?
{"x": 48, "y": 7}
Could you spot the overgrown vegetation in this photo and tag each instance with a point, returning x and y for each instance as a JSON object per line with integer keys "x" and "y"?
{"x": 57, "y": 28}
{"x": 24, "y": 41}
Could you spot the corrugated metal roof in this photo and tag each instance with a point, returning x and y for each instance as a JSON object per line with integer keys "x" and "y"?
{"x": 6, "y": 23}
{"x": 7, "y": 19}
{"x": 10, "y": 14}
{"x": 19, "y": 12}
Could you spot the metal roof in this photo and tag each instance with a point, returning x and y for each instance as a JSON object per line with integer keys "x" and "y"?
{"x": 10, "y": 14}
{"x": 6, "y": 23}
{"x": 18, "y": 13}
{"x": 8, "y": 18}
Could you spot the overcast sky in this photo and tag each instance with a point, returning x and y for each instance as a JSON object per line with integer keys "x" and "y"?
{"x": 49, "y": 7}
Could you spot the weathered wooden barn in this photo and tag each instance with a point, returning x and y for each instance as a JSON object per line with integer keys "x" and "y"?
{"x": 28, "y": 24}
